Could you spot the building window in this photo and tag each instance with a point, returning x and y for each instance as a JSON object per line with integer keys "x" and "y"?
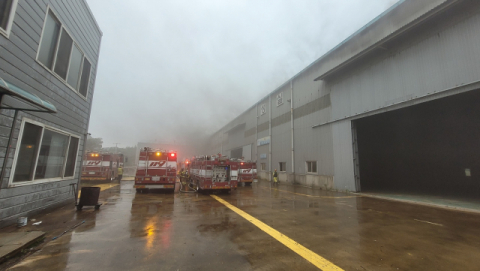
{"x": 283, "y": 166}
{"x": 263, "y": 166}
{"x": 7, "y": 12}
{"x": 71, "y": 157}
{"x": 59, "y": 53}
{"x": 51, "y": 31}
{"x": 279, "y": 98}
{"x": 63, "y": 55}
{"x": 311, "y": 166}
{"x": 74, "y": 67}
{"x": 44, "y": 153}
{"x": 85, "y": 77}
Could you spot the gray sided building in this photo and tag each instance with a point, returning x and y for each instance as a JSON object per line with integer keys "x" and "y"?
{"x": 49, "y": 51}
{"x": 392, "y": 108}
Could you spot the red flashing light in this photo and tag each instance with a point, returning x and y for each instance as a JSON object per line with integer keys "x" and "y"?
{"x": 241, "y": 163}
{"x": 172, "y": 154}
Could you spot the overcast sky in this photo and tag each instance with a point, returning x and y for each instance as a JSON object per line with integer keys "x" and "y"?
{"x": 172, "y": 69}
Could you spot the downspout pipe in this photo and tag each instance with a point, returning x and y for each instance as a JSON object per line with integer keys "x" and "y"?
{"x": 256, "y": 136}
{"x": 270, "y": 135}
{"x": 292, "y": 129}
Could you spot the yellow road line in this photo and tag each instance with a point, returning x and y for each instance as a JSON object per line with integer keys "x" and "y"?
{"x": 307, "y": 254}
{"x": 104, "y": 186}
{"x": 323, "y": 197}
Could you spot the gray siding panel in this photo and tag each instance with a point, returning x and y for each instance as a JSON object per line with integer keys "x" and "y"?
{"x": 281, "y": 150}
{"x": 21, "y": 206}
{"x": 250, "y": 132}
{"x": 313, "y": 106}
{"x": 344, "y": 179}
{"x": 282, "y": 119}
{"x": 31, "y": 9}
{"x": 33, "y": 23}
{"x": 263, "y": 127}
{"x": 441, "y": 62}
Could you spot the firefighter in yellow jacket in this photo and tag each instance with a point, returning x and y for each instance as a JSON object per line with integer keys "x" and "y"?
{"x": 120, "y": 173}
{"x": 275, "y": 177}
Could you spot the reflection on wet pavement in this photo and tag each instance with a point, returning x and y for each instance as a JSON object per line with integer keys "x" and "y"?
{"x": 185, "y": 231}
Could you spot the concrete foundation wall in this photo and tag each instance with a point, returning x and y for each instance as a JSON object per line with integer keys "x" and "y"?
{"x": 315, "y": 181}
{"x": 33, "y": 208}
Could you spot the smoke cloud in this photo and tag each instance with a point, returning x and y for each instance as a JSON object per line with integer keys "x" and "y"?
{"x": 177, "y": 71}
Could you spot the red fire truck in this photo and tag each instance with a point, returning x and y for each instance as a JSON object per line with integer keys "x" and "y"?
{"x": 157, "y": 169}
{"x": 101, "y": 166}
{"x": 247, "y": 172}
{"x": 213, "y": 172}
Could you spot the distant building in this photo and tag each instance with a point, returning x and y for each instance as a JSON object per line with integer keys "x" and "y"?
{"x": 48, "y": 63}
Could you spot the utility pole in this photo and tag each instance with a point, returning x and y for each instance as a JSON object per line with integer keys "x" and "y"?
{"x": 116, "y": 147}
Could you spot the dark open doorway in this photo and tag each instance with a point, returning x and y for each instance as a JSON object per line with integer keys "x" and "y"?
{"x": 431, "y": 148}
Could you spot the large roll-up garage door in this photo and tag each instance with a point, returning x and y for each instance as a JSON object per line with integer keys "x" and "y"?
{"x": 431, "y": 148}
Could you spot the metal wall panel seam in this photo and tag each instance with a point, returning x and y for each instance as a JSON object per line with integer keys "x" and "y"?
{"x": 28, "y": 19}
{"x": 35, "y": 8}
{"x": 393, "y": 104}
{"x": 26, "y": 5}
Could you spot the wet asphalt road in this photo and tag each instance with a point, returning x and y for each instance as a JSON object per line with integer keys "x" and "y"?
{"x": 181, "y": 231}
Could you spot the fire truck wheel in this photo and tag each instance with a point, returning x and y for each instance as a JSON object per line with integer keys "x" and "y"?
{"x": 140, "y": 190}
{"x": 248, "y": 184}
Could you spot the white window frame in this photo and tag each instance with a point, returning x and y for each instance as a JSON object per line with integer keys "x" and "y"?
{"x": 280, "y": 99}
{"x": 280, "y": 166}
{"x": 6, "y": 32}
{"x": 75, "y": 43}
{"x": 44, "y": 126}
{"x": 311, "y": 172}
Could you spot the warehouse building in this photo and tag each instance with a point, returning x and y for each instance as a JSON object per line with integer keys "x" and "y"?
{"x": 392, "y": 109}
{"x": 48, "y": 62}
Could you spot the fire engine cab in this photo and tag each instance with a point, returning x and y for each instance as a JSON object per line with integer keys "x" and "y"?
{"x": 214, "y": 172}
{"x": 157, "y": 169}
{"x": 101, "y": 166}
{"x": 247, "y": 172}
